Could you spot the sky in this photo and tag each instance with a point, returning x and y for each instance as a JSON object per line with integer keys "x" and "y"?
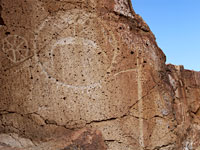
{"x": 176, "y": 25}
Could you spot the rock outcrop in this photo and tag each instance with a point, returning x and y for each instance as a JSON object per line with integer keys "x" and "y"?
{"x": 88, "y": 74}
{"x": 186, "y": 87}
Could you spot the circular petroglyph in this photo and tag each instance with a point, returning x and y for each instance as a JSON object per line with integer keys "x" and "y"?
{"x": 15, "y": 48}
{"x": 75, "y": 49}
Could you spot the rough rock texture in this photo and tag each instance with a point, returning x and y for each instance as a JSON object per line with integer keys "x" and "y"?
{"x": 1, "y": 19}
{"x": 84, "y": 139}
{"x": 186, "y": 85}
{"x": 90, "y": 68}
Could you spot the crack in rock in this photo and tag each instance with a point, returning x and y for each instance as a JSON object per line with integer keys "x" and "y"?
{"x": 1, "y": 19}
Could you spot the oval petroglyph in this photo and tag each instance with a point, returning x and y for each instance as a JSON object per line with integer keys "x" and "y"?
{"x": 72, "y": 52}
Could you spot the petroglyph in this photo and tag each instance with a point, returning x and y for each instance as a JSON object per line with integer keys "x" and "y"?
{"x": 125, "y": 71}
{"x": 140, "y": 103}
{"x": 96, "y": 65}
{"x": 74, "y": 54}
{"x": 15, "y": 48}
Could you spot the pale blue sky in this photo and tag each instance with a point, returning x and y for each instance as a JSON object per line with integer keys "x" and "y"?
{"x": 176, "y": 25}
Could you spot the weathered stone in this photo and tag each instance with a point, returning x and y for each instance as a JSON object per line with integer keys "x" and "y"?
{"x": 68, "y": 65}
{"x": 186, "y": 85}
{"x": 13, "y": 140}
{"x": 84, "y": 139}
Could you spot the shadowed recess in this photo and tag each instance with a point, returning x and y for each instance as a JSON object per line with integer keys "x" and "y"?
{"x": 1, "y": 19}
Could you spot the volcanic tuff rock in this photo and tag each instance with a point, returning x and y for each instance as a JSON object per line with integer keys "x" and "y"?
{"x": 88, "y": 74}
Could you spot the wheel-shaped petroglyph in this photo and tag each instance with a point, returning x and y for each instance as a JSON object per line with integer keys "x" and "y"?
{"x": 15, "y": 48}
{"x": 77, "y": 50}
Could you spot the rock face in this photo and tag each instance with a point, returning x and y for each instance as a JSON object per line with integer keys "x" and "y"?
{"x": 186, "y": 86}
{"x": 88, "y": 74}
{"x": 79, "y": 140}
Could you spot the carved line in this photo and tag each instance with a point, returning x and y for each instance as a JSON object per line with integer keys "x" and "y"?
{"x": 140, "y": 103}
{"x": 125, "y": 71}
{"x": 15, "y": 37}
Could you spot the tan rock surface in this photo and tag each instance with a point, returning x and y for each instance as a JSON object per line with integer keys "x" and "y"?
{"x": 70, "y": 64}
{"x": 82, "y": 139}
{"x": 186, "y": 84}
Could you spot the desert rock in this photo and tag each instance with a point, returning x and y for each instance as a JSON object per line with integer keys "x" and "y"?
{"x": 88, "y": 74}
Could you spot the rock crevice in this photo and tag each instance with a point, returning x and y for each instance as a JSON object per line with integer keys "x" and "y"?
{"x": 1, "y": 19}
